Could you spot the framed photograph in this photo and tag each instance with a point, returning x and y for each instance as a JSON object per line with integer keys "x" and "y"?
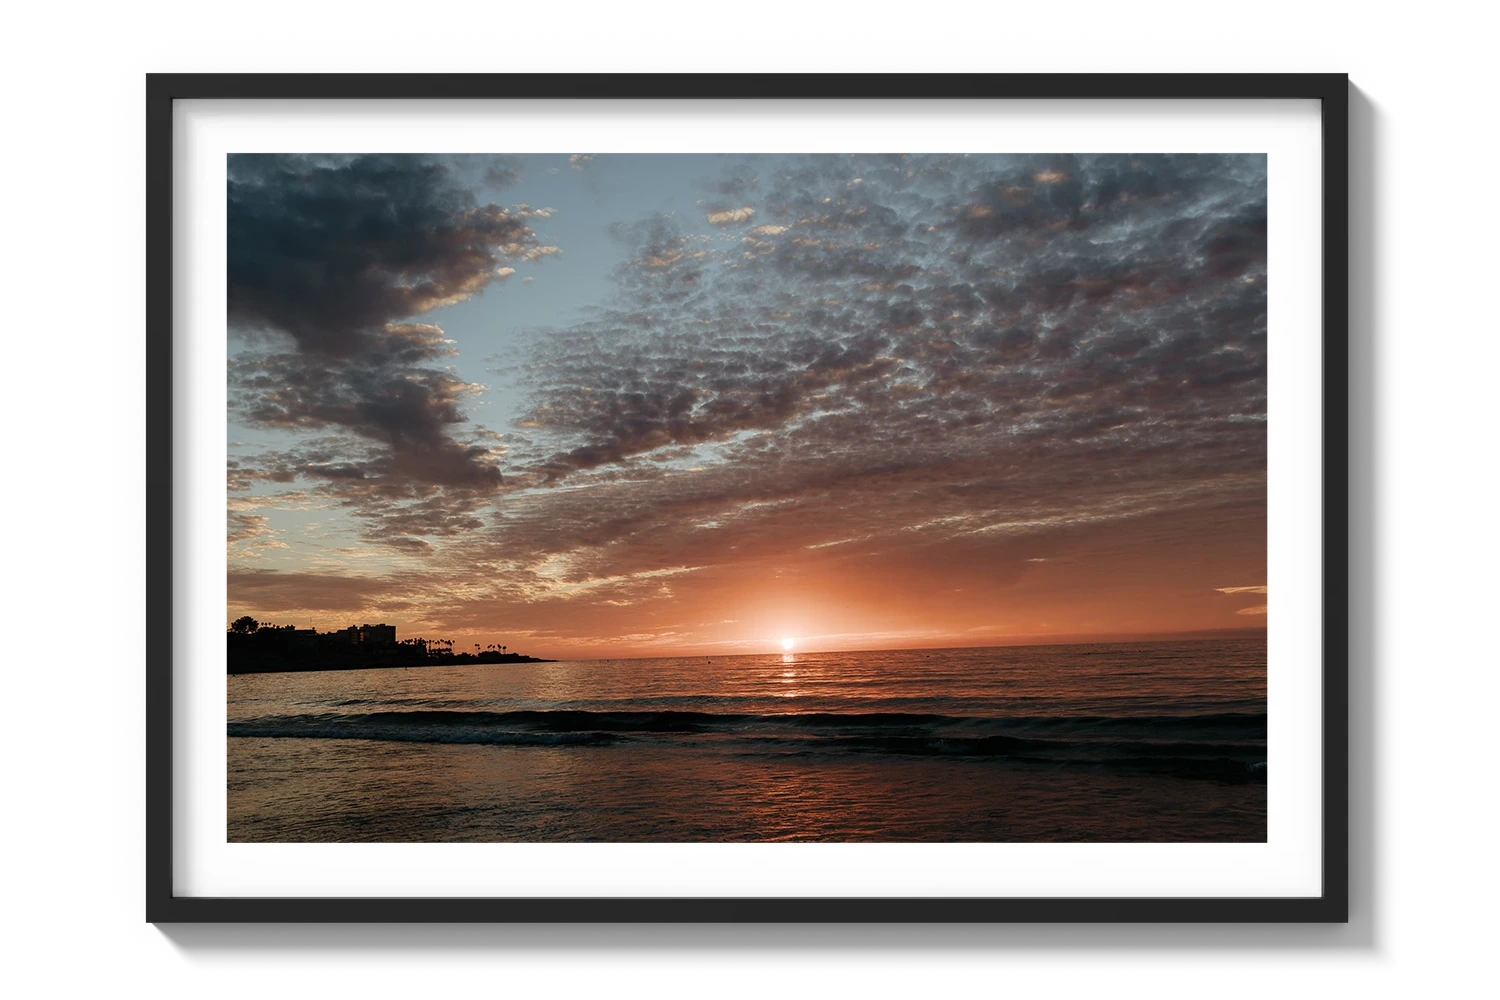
{"x": 785, "y": 498}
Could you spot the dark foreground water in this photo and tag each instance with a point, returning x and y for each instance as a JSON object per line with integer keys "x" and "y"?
{"x": 1116, "y": 742}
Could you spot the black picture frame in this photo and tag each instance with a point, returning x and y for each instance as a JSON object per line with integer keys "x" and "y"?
{"x": 1352, "y": 927}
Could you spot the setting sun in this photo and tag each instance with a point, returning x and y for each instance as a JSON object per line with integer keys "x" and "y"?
{"x": 787, "y": 643}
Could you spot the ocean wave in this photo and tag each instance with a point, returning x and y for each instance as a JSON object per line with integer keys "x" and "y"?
{"x": 351, "y": 728}
{"x": 1224, "y": 746}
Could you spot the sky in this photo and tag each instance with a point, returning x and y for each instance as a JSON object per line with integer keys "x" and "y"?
{"x": 628, "y": 405}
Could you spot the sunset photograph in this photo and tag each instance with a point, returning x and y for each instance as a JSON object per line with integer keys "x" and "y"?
{"x": 726, "y": 498}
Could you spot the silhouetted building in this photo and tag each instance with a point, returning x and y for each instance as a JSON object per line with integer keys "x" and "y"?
{"x": 367, "y": 635}
{"x": 273, "y": 648}
{"x": 378, "y": 635}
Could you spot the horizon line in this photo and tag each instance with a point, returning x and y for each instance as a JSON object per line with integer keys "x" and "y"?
{"x": 1020, "y": 639}
{"x": 1077, "y": 639}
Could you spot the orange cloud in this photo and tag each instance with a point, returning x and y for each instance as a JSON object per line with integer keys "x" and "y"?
{"x": 730, "y": 215}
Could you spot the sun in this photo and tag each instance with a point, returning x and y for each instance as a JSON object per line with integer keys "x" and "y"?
{"x": 788, "y": 643}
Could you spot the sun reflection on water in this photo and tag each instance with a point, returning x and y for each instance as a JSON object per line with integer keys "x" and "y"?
{"x": 788, "y": 677}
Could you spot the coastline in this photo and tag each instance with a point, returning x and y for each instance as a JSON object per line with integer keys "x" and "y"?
{"x": 279, "y": 665}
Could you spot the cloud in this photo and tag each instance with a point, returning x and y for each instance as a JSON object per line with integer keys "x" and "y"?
{"x": 246, "y": 527}
{"x": 401, "y": 497}
{"x": 1259, "y": 609}
{"x": 331, "y": 251}
{"x": 882, "y": 302}
{"x": 405, "y": 407}
{"x": 251, "y": 535}
{"x": 272, "y": 591}
{"x": 1241, "y": 590}
{"x": 579, "y": 161}
{"x": 737, "y": 183}
{"x": 726, "y": 216}
{"x": 503, "y": 171}
{"x": 329, "y": 260}
{"x": 661, "y": 253}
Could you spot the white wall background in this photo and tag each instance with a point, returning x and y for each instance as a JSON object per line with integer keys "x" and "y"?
{"x": 1424, "y": 385}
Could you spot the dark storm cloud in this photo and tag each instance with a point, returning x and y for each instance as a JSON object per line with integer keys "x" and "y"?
{"x": 331, "y": 251}
{"x": 330, "y": 258}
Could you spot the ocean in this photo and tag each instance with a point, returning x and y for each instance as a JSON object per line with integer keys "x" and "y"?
{"x": 1113, "y": 742}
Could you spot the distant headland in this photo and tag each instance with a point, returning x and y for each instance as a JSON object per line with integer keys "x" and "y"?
{"x": 261, "y": 648}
